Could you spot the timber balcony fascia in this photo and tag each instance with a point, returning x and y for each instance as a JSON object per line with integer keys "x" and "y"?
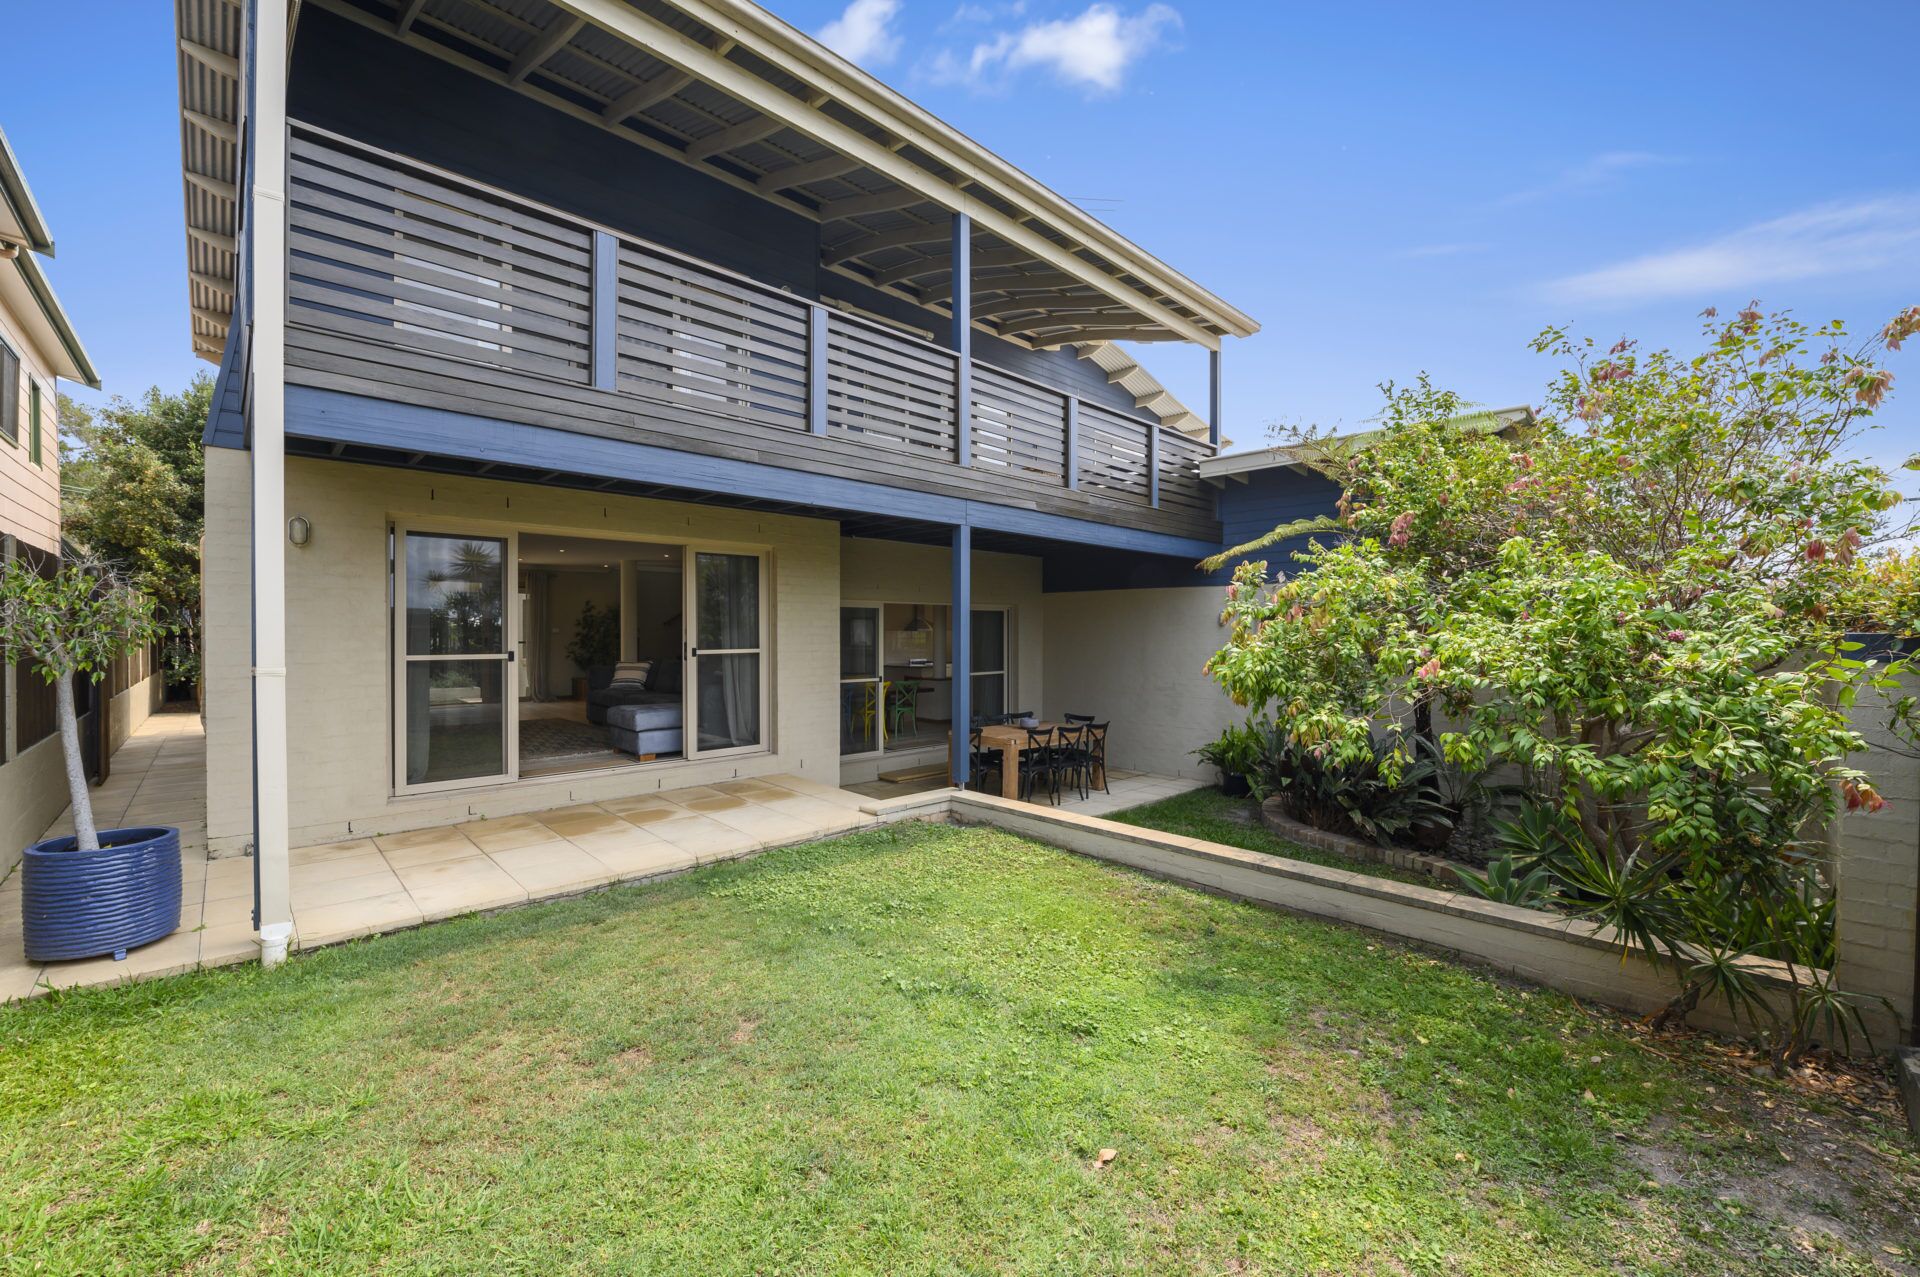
{"x": 411, "y": 285}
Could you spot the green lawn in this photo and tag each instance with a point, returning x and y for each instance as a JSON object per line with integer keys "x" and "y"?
{"x": 903, "y": 1052}
{"x": 1210, "y": 814}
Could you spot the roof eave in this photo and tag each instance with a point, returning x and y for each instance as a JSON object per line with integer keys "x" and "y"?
{"x": 733, "y": 15}
{"x": 78, "y": 366}
{"x": 19, "y": 199}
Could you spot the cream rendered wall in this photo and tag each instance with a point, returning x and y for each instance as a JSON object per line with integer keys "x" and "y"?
{"x": 1876, "y": 858}
{"x": 133, "y": 706}
{"x": 29, "y": 493}
{"x": 873, "y": 571}
{"x": 1134, "y": 657}
{"x": 33, "y": 793}
{"x": 226, "y": 628}
{"x": 339, "y": 652}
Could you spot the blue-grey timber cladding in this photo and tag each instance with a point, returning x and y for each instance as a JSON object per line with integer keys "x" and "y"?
{"x": 1248, "y": 510}
{"x": 362, "y": 85}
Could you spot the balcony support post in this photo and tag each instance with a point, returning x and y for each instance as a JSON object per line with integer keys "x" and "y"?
{"x": 817, "y": 370}
{"x": 960, "y": 648}
{"x": 1213, "y": 398}
{"x": 605, "y": 330}
{"x": 1153, "y": 466}
{"x": 1072, "y": 432}
{"x": 963, "y": 338}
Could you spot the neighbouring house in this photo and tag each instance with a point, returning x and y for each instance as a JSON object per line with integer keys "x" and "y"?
{"x": 532, "y": 312}
{"x": 37, "y": 348}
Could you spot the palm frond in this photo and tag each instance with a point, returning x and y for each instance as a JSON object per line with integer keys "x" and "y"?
{"x": 1285, "y": 532}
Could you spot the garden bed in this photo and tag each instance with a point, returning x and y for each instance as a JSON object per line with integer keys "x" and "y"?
{"x": 1359, "y": 851}
{"x": 1213, "y": 816}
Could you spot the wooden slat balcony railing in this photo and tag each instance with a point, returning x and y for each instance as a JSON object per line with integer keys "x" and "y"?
{"x": 408, "y": 283}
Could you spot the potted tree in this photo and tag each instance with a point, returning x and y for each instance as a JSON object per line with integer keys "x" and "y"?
{"x": 92, "y": 892}
{"x": 596, "y": 644}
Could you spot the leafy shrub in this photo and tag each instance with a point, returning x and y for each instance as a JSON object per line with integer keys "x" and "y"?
{"x": 1360, "y": 797}
{"x": 1239, "y": 751}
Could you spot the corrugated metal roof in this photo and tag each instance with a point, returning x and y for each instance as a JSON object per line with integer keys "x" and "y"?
{"x": 839, "y": 146}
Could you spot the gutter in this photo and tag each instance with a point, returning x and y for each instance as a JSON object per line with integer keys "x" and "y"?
{"x": 13, "y": 188}
{"x": 56, "y": 317}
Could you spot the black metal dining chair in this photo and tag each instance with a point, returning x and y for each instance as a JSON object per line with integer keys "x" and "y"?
{"x": 981, "y": 762}
{"x": 1075, "y": 754}
{"x": 1079, "y": 718}
{"x": 1095, "y": 759}
{"x": 1040, "y": 764}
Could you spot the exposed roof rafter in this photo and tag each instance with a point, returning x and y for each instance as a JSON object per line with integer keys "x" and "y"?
{"x": 900, "y": 237}
{"x": 791, "y": 122}
{"x": 544, "y": 46}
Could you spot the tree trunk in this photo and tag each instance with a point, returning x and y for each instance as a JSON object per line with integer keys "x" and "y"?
{"x": 85, "y": 836}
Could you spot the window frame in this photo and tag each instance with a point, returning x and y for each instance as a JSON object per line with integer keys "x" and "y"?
{"x": 35, "y": 450}
{"x": 10, "y": 370}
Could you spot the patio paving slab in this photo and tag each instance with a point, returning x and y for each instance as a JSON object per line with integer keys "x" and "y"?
{"x": 368, "y": 885}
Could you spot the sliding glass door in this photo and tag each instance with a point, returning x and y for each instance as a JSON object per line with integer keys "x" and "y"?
{"x": 726, "y": 597}
{"x": 989, "y": 663}
{"x": 454, "y": 699}
{"x": 862, "y": 721}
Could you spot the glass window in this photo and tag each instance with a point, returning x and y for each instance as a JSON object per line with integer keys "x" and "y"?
{"x": 729, "y": 692}
{"x": 456, "y": 593}
{"x": 859, "y": 642}
{"x": 726, "y": 654}
{"x": 729, "y": 603}
{"x": 989, "y": 684}
{"x": 861, "y": 720}
{"x": 456, "y": 720}
{"x": 989, "y": 641}
{"x": 9, "y": 394}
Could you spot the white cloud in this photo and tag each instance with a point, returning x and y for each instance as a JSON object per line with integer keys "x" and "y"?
{"x": 974, "y": 14}
{"x": 1597, "y": 171}
{"x": 1880, "y": 236}
{"x": 1093, "y": 50}
{"x": 864, "y": 32}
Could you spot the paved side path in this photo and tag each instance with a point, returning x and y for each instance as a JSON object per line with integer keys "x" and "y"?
{"x": 160, "y": 778}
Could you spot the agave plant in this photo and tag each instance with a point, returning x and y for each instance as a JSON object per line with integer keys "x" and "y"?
{"x": 1504, "y": 883}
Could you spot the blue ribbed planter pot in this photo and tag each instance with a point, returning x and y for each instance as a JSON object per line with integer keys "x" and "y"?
{"x": 82, "y": 904}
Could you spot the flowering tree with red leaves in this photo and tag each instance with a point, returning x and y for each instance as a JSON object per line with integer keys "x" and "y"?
{"x": 1642, "y": 598}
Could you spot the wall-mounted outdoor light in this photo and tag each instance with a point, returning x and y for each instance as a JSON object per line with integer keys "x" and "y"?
{"x": 299, "y": 530}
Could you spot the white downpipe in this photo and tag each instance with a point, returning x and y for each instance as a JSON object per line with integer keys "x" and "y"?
{"x": 273, "y": 901}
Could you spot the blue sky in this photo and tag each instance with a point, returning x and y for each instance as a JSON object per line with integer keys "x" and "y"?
{"x": 1386, "y": 187}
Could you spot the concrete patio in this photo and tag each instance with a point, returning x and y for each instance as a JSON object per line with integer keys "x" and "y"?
{"x": 1129, "y": 789}
{"x": 345, "y": 890}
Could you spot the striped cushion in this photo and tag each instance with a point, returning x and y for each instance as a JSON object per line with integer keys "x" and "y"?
{"x": 632, "y": 672}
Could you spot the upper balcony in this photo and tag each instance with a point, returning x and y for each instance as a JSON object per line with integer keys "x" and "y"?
{"x": 412, "y": 285}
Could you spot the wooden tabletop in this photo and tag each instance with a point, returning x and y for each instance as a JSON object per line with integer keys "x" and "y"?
{"x": 1011, "y": 740}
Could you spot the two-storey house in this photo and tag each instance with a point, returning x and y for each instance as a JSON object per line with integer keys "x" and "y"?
{"x": 37, "y": 348}
{"x": 622, "y": 395}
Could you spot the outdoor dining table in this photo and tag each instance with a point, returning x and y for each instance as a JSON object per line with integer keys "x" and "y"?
{"x": 1012, "y": 741}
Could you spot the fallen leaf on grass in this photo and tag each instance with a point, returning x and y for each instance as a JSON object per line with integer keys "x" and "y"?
{"x": 1106, "y": 1155}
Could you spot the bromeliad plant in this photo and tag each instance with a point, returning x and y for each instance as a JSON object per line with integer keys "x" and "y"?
{"x": 76, "y": 622}
{"x": 1640, "y": 600}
